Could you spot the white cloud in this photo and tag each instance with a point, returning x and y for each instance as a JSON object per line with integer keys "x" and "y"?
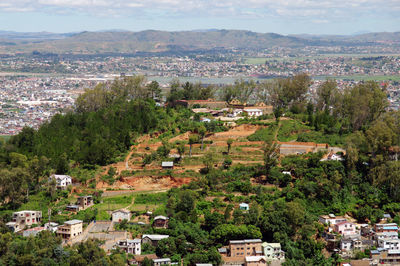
{"x": 312, "y": 10}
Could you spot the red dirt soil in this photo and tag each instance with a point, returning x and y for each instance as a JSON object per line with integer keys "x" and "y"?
{"x": 146, "y": 183}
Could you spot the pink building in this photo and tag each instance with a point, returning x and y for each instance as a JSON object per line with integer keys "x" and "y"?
{"x": 345, "y": 228}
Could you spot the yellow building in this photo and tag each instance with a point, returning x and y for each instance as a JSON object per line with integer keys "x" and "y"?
{"x": 70, "y": 229}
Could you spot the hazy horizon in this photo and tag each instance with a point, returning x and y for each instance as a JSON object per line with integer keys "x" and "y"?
{"x": 332, "y": 17}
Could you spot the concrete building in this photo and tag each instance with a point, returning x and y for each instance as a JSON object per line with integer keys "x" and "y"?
{"x": 244, "y": 206}
{"x": 159, "y": 262}
{"x": 273, "y": 251}
{"x": 24, "y": 219}
{"x": 131, "y": 246}
{"x": 167, "y": 165}
{"x": 256, "y": 261}
{"x": 33, "y": 231}
{"x": 253, "y": 112}
{"x": 70, "y": 229}
{"x": 392, "y": 227}
{"x": 345, "y": 228}
{"x": 51, "y": 226}
{"x": 243, "y": 248}
{"x": 389, "y": 244}
{"x": 153, "y": 239}
{"x": 120, "y": 215}
{"x": 331, "y": 219}
{"x": 82, "y": 203}
{"x": 62, "y": 181}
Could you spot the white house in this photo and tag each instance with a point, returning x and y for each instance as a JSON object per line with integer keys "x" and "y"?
{"x": 159, "y": 262}
{"x": 131, "y": 246}
{"x": 244, "y": 206}
{"x": 346, "y": 244}
{"x": 120, "y": 215}
{"x": 331, "y": 219}
{"x": 62, "y": 181}
{"x": 236, "y": 112}
{"x": 51, "y": 226}
{"x": 389, "y": 244}
{"x": 333, "y": 157}
{"x": 253, "y": 112}
{"x": 22, "y": 219}
{"x": 167, "y": 165}
{"x": 273, "y": 251}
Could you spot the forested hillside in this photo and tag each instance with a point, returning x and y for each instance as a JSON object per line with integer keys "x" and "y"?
{"x": 204, "y": 214}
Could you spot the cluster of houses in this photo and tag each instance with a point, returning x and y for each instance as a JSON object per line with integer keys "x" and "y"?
{"x": 347, "y": 238}
{"x": 234, "y": 108}
{"x": 26, "y": 222}
{"x": 252, "y": 252}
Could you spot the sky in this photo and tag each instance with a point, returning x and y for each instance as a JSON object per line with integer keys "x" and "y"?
{"x": 279, "y": 16}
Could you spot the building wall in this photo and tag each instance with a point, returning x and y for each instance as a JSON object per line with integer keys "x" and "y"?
{"x": 256, "y": 263}
{"x": 120, "y": 216}
{"x": 244, "y": 249}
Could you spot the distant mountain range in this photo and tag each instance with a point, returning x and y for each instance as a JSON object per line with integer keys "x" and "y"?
{"x": 119, "y": 41}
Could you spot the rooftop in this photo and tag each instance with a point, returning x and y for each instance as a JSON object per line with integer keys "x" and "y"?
{"x": 167, "y": 164}
{"x": 254, "y": 258}
{"x": 161, "y": 217}
{"x": 155, "y": 237}
{"x": 161, "y": 260}
{"x": 245, "y": 241}
{"x": 72, "y": 222}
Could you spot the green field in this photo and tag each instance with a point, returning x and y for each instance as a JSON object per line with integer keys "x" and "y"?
{"x": 5, "y": 137}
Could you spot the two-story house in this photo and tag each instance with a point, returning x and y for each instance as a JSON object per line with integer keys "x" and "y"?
{"x": 391, "y": 227}
{"x": 82, "y": 203}
{"x": 24, "y": 219}
{"x": 345, "y": 229}
{"x": 331, "y": 219}
{"x": 247, "y": 247}
{"x": 131, "y": 246}
{"x": 70, "y": 229}
{"x": 62, "y": 181}
{"x": 273, "y": 251}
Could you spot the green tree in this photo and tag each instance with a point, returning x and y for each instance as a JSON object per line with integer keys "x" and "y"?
{"x": 202, "y": 132}
{"x": 181, "y": 150}
{"x": 271, "y": 155}
{"x": 192, "y": 140}
{"x": 229, "y": 142}
{"x": 154, "y": 89}
{"x": 209, "y": 161}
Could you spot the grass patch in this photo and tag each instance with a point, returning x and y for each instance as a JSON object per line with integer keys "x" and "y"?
{"x": 263, "y": 134}
{"x": 320, "y": 137}
{"x": 143, "y": 207}
{"x": 5, "y": 137}
{"x": 151, "y": 198}
{"x": 290, "y": 129}
{"x": 122, "y": 199}
{"x": 83, "y": 175}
